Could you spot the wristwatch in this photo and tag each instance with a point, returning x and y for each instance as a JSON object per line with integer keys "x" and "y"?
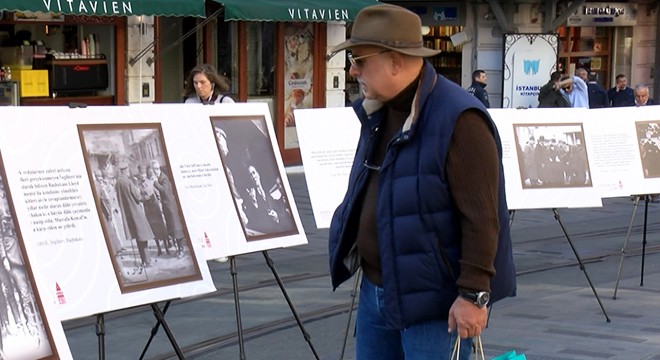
{"x": 479, "y": 298}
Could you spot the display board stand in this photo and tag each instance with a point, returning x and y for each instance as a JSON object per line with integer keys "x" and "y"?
{"x": 271, "y": 265}
{"x": 625, "y": 243}
{"x": 577, "y": 256}
{"x": 160, "y": 316}
{"x": 354, "y": 295}
{"x": 100, "y": 334}
{"x": 160, "y": 321}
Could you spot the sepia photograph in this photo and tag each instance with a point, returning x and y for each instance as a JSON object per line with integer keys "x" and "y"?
{"x": 253, "y": 176}
{"x": 648, "y": 135}
{"x": 24, "y": 331}
{"x": 137, "y": 202}
{"x": 552, "y": 156}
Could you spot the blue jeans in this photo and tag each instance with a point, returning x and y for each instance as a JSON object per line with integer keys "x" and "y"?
{"x": 376, "y": 341}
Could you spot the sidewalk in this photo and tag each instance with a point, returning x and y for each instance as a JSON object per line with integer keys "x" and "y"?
{"x": 555, "y": 315}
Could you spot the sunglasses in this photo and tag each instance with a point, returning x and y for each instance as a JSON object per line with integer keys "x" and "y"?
{"x": 358, "y": 61}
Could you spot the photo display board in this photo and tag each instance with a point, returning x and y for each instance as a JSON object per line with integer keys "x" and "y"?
{"x": 546, "y": 164}
{"x": 328, "y": 138}
{"x": 575, "y": 157}
{"x": 626, "y": 147}
{"x": 121, "y": 206}
{"x": 552, "y": 158}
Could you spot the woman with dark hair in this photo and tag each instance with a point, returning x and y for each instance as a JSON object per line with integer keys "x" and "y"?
{"x": 205, "y": 86}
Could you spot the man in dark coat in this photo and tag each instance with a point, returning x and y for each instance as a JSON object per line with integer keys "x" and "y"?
{"x": 597, "y": 94}
{"x": 550, "y": 94}
{"x": 478, "y": 87}
{"x": 170, "y": 206}
{"x": 136, "y": 225}
{"x": 621, "y": 94}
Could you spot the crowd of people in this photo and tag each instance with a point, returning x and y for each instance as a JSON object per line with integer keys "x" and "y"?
{"x": 140, "y": 206}
{"x": 553, "y": 163}
{"x": 582, "y": 90}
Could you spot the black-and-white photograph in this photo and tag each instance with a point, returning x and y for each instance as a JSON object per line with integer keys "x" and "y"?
{"x": 253, "y": 176}
{"x": 648, "y": 134}
{"x": 138, "y": 205}
{"x": 552, "y": 156}
{"x": 24, "y": 331}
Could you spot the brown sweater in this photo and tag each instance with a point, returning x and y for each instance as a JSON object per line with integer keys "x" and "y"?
{"x": 472, "y": 172}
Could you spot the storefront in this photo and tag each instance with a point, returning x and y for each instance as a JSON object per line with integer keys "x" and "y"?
{"x": 598, "y": 37}
{"x": 73, "y": 51}
{"x": 273, "y": 51}
{"x": 443, "y": 28}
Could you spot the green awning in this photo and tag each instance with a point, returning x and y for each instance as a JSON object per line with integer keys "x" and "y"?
{"x": 108, "y": 7}
{"x": 294, "y": 10}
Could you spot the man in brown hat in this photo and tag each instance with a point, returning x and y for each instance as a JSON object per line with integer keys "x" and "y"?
{"x": 425, "y": 212}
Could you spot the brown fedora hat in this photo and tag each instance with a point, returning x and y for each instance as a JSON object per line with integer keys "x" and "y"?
{"x": 389, "y": 26}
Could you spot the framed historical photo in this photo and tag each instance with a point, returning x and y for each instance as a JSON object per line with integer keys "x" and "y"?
{"x": 138, "y": 205}
{"x": 648, "y": 136}
{"x": 24, "y": 329}
{"x": 253, "y": 176}
{"x": 552, "y": 156}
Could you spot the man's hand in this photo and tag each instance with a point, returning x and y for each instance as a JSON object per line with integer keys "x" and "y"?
{"x": 467, "y": 318}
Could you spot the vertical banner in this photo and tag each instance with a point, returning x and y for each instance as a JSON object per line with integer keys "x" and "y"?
{"x": 298, "y": 71}
{"x": 529, "y": 59}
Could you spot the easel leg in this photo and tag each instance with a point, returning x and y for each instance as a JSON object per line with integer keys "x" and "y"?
{"x": 354, "y": 294}
{"x": 625, "y": 245}
{"x": 271, "y": 265}
{"x": 646, "y": 215}
{"x": 154, "y": 331}
{"x": 237, "y": 305}
{"x": 577, "y": 256}
{"x": 160, "y": 316}
{"x": 512, "y": 213}
{"x": 100, "y": 333}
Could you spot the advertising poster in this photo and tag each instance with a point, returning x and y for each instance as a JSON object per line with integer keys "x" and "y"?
{"x": 26, "y": 332}
{"x": 298, "y": 74}
{"x": 328, "y": 139}
{"x": 529, "y": 59}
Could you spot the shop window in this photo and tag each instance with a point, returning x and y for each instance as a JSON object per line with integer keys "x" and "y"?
{"x": 227, "y": 38}
{"x": 53, "y": 48}
{"x": 448, "y": 62}
{"x": 623, "y": 45}
{"x": 260, "y": 59}
{"x": 586, "y": 47}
